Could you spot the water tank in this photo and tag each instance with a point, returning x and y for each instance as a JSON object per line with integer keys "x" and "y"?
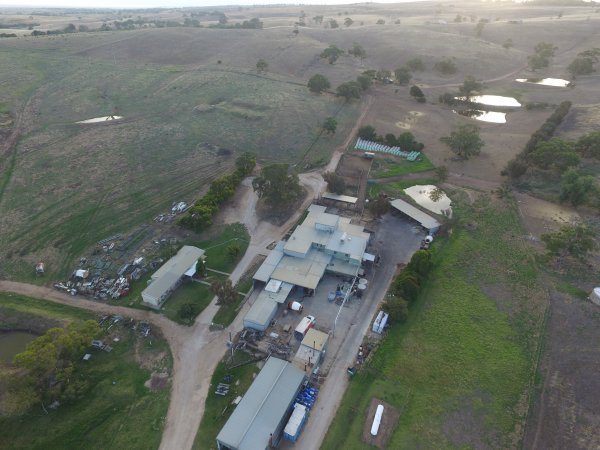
{"x": 377, "y": 420}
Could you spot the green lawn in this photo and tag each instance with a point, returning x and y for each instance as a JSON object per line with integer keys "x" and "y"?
{"x": 115, "y": 411}
{"x": 388, "y": 167}
{"x": 459, "y": 370}
{"x": 217, "y": 257}
{"x": 217, "y": 409}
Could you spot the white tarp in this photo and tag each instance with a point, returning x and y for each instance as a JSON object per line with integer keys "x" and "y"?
{"x": 192, "y": 270}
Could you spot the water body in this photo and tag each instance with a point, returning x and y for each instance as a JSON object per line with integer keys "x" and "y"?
{"x": 492, "y": 100}
{"x": 484, "y": 116}
{"x": 421, "y": 194}
{"x": 101, "y": 119}
{"x": 554, "y": 82}
{"x": 12, "y": 343}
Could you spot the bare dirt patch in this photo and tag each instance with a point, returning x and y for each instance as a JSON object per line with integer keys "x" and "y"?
{"x": 157, "y": 381}
{"x": 148, "y": 360}
{"x": 388, "y": 423}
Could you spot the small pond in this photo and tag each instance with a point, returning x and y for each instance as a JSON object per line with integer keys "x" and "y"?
{"x": 555, "y": 82}
{"x": 484, "y": 116}
{"x": 438, "y": 203}
{"x": 12, "y": 343}
{"x": 101, "y": 119}
{"x": 492, "y": 100}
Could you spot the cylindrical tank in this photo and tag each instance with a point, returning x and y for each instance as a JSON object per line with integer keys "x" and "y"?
{"x": 377, "y": 420}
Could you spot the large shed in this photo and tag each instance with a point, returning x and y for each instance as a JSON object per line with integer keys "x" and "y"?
{"x": 166, "y": 279}
{"x": 259, "y": 419}
{"x": 265, "y": 307}
{"x": 426, "y": 221}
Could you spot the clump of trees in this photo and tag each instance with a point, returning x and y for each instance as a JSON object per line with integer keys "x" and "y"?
{"x": 330, "y": 125}
{"x": 349, "y": 90}
{"x": 318, "y": 83}
{"x": 417, "y": 94}
{"x": 47, "y": 366}
{"x": 407, "y": 286}
{"x": 575, "y": 240}
{"x": 406, "y": 141}
{"x": 224, "y": 291}
{"x": 331, "y": 54}
{"x": 446, "y": 66}
{"x": 518, "y": 166}
{"x": 358, "y": 51}
{"x": 584, "y": 62}
{"x": 464, "y": 140}
{"x": 277, "y": 186}
{"x": 262, "y": 66}
{"x": 335, "y": 182}
{"x": 199, "y": 217}
{"x": 542, "y": 54}
{"x": 403, "y": 75}
{"x": 416, "y": 65}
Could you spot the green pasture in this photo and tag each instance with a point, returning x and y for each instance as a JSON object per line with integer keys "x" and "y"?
{"x": 459, "y": 370}
{"x": 69, "y": 185}
{"x": 116, "y": 410}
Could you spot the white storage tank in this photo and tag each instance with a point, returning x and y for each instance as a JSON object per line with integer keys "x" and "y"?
{"x": 595, "y": 296}
{"x": 377, "y": 420}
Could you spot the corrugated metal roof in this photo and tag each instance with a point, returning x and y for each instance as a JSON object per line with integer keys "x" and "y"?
{"x": 153, "y": 294}
{"x": 261, "y": 313}
{"x": 424, "y": 219}
{"x": 262, "y": 408}
{"x": 340, "y": 198}
{"x": 268, "y": 266}
{"x": 305, "y": 272}
{"x": 181, "y": 262}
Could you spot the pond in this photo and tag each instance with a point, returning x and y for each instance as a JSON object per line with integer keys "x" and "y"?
{"x": 484, "y": 116}
{"x": 101, "y": 119}
{"x": 12, "y": 343}
{"x": 492, "y": 100}
{"x": 554, "y": 82}
{"x": 422, "y": 194}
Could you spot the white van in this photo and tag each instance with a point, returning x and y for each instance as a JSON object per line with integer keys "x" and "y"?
{"x": 305, "y": 324}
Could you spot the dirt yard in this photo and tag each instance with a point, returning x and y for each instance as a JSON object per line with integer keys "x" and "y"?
{"x": 387, "y": 425}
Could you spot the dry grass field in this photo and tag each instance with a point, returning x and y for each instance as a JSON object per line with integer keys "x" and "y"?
{"x": 191, "y": 99}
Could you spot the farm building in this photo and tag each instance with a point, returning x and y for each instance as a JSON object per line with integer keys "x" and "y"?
{"x": 339, "y": 200}
{"x": 424, "y": 219}
{"x": 312, "y": 350}
{"x": 166, "y": 279}
{"x": 258, "y": 421}
{"x": 322, "y": 243}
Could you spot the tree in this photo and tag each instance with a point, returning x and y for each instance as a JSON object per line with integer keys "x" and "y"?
{"x": 333, "y": 23}
{"x": 70, "y": 28}
{"x": 262, "y": 66}
{"x": 416, "y": 64}
{"x": 581, "y": 66}
{"x": 470, "y": 84}
{"x": 464, "y": 140}
{"x": 318, "y": 83}
{"x": 276, "y": 186}
{"x": 367, "y": 132}
{"x": 224, "y": 291}
{"x": 349, "y": 90}
{"x": 445, "y": 66}
{"x": 545, "y": 49}
{"x": 245, "y": 164}
{"x": 187, "y": 311}
{"x": 403, "y": 75}
{"x": 379, "y": 205}
{"x": 365, "y": 81}
{"x": 358, "y": 51}
{"x": 318, "y": 19}
{"x": 233, "y": 250}
{"x": 348, "y": 21}
{"x": 335, "y": 183}
{"x": 380, "y": 22}
{"x": 589, "y": 145}
{"x": 554, "y": 154}
{"x": 575, "y": 240}
{"x": 407, "y": 142}
{"x": 479, "y": 28}
{"x": 576, "y": 188}
{"x": 417, "y": 94}
{"x": 397, "y": 308}
{"x": 536, "y": 62}
{"x": 390, "y": 140}
{"x": 441, "y": 173}
{"x": 330, "y": 125}
{"x": 421, "y": 263}
{"x": 406, "y": 285}
{"x": 331, "y": 53}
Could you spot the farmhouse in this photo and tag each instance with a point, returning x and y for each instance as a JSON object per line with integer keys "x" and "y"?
{"x": 322, "y": 243}
{"x": 259, "y": 419}
{"x": 166, "y": 279}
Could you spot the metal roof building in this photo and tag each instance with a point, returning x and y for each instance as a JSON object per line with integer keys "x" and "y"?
{"x": 265, "y": 307}
{"x": 259, "y": 419}
{"x": 426, "y": 221}
{"x": 166, "y": 279}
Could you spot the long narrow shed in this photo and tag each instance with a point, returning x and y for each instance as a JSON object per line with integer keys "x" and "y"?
{"x": 259, "y": 419}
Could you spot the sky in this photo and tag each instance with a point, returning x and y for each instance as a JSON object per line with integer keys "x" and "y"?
{"x": 168, "y": 3}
